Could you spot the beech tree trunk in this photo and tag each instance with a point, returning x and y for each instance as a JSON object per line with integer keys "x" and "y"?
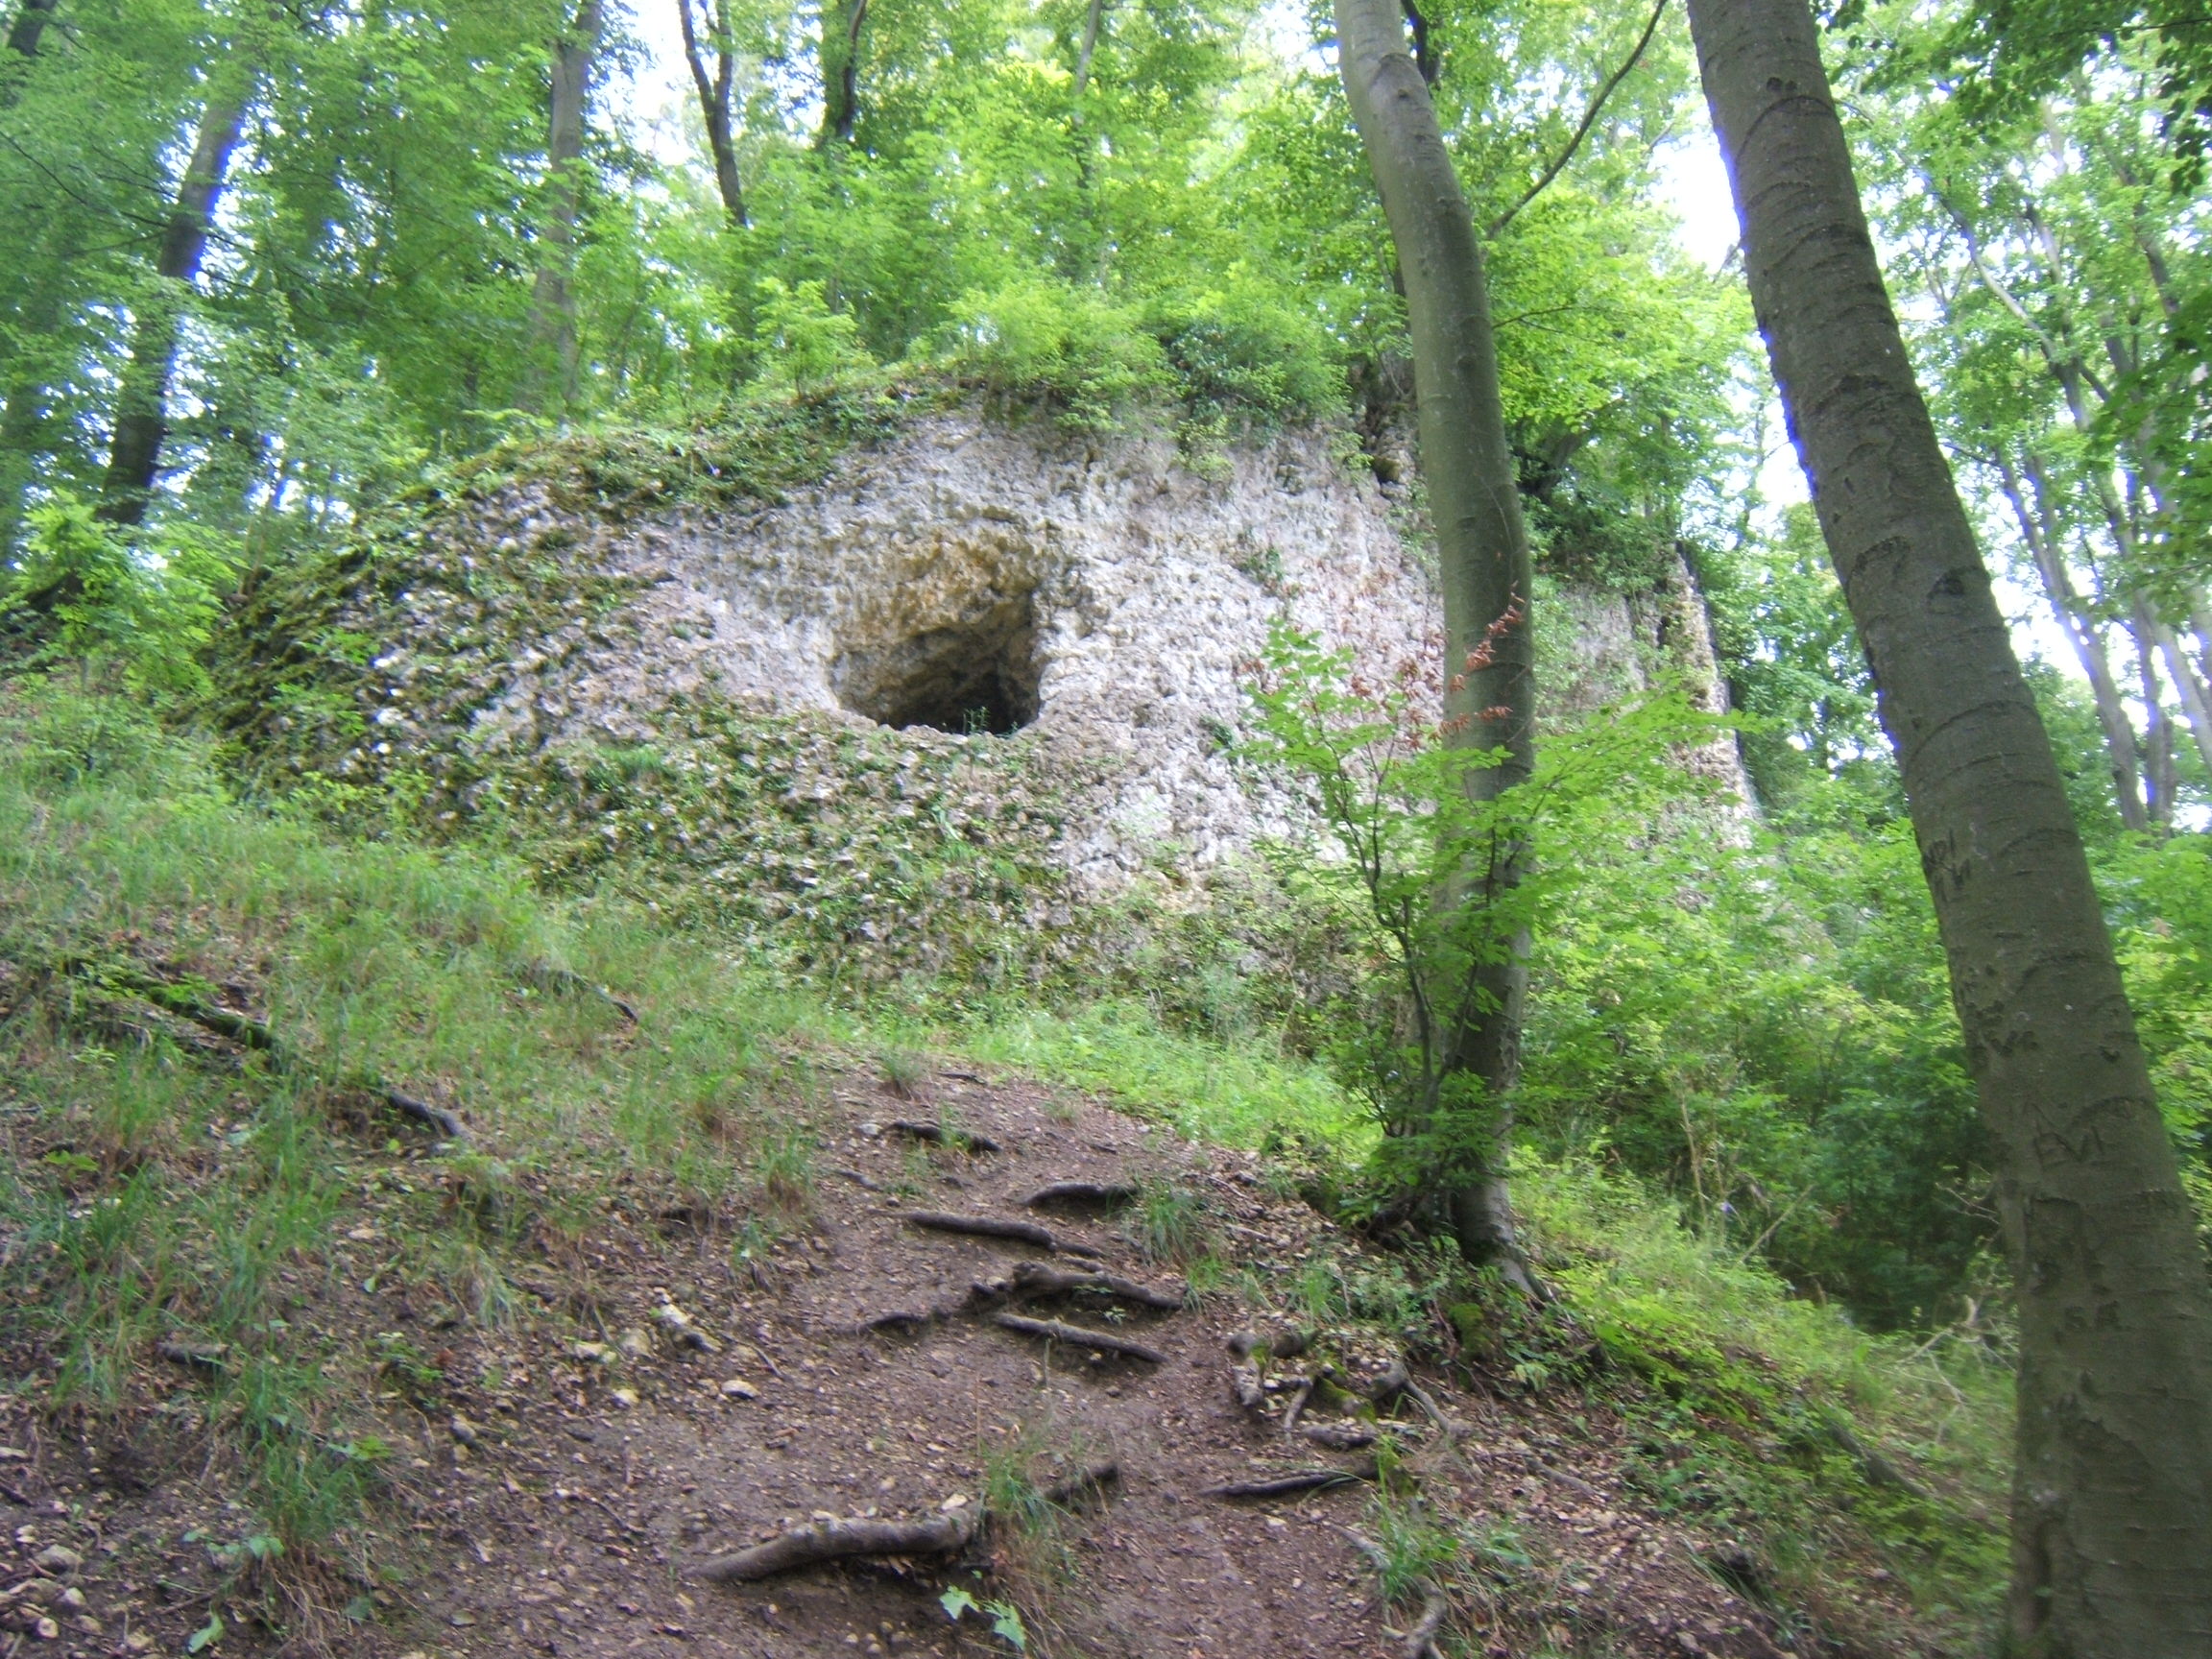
{"x": 2112, "y": 1497}
{"x": 142, "y": 400}
{"x": 1482, "y": 551}
{"x": 714, "y": 102}
{"x": 2082, "y": 632}
{"x": 550, "y": 373}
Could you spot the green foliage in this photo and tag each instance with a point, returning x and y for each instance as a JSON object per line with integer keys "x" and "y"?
{"x": 147, "y": 613}
{"x": 1040, "y": 337}
{"x": 1004, "y": 1617}
{"x": 1427, "y": 860}
{"x": 805, "y": 344}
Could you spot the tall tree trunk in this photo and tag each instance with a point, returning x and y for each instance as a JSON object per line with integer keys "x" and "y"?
{"x": 23, "y": 419}
{"x": 143, "y": 399}
{"x": 842, "y": 25}
{"x": 23, "y": 37}
{"x": 550, "y": 374}
{"x": 1092, "y": 18}
{"x": 714, "y": 101}
{"x": 2112, "y": 1494}
{"x": 1482, "y": 550}
{"x": 2081, "y": 630}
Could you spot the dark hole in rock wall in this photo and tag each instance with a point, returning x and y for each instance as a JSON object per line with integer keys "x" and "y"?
{"x": 978, "y": 675}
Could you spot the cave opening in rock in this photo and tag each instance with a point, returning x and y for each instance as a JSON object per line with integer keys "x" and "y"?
{"x": 978, "y": 675}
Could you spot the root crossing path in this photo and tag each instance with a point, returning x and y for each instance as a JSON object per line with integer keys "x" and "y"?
{"x": 694, "y": 1438}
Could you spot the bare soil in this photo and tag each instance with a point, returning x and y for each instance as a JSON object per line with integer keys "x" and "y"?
{"x": 560, "y": 1478}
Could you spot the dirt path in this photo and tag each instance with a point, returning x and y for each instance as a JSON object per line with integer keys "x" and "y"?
{"x": 572, "y": 1472}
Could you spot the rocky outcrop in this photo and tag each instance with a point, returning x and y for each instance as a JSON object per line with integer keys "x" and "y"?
{"x": 990, "y": 587}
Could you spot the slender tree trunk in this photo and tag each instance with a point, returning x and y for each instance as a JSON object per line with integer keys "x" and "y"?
{"x": 1083, "y": 55}
{"x": 550, "y": 374}
{"x": 842, "y": 25}
{"x": 2158, "y": 769}
{"x": 2112, "y": 1496}
{"x": 1482, "y": 550}
{"x": 2083, "y": 633}
{"x": 143, "y": 399}
{"x": 714, "y": 103}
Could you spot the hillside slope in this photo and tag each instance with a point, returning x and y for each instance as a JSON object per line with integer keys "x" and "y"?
{"x": 352, "y": 1188}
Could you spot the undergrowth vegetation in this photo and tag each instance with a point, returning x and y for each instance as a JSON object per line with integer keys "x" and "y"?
{"x": 170, "y": 1195}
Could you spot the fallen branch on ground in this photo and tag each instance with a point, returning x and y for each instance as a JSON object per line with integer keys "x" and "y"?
{"x": 836, "y": 1540}
{"x": 1076, "y": 1336}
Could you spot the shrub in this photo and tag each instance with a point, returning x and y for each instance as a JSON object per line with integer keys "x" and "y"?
{"x": 1040, "y": 337}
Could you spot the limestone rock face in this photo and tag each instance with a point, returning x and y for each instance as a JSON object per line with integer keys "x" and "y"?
{"x": 970, "y": 580}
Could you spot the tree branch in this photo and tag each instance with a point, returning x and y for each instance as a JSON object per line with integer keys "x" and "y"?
{"x": 1589, "y": 120}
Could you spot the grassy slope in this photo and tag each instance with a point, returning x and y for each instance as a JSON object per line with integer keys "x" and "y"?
{"x": 159, "y": 1192}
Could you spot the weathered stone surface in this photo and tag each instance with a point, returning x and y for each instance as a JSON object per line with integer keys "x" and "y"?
{"x": 976, "y": 577}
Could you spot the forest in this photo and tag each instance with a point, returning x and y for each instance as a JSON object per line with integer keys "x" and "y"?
{"x": 1696, "y": 1137}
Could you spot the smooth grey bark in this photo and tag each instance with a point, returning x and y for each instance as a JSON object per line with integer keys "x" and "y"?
{"x": 2112, "y": 1494}
{"x": 2083, "y": 633}
{"x": 1482, "y": 552}
{"x": 550, "y": 373}
{"x": 1092, "y": 18}
{"x": 714, "y": 101}
{"x": 143, "y": 399}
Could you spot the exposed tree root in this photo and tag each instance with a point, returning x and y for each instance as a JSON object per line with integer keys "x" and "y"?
{"x": 1080, "y": 1192}
{"x": 1283, "y": 1486}
{"x": 1272, "y": 1344}
{"x": 859, "y": 1180}
{"x": 937, "y": 1135}
{"x": 449, "y": 1126}
{"x": 1037, "y": 1279}
{"x": 983, "y": 1227}
{"x": 1244, "y": 1382}
{"x": 1435, "y": 1606}
{"x": 1340, "y": 1436}
{"x": 245, "y": 1031}
{"x": 1396, "y": 1382}
{"x": 548, "y": 978}
{"x": 837, "y": 1540}
{"x": 1070, "y": 1489}
{"x": 1101, "y": 1341}
{"x": 1301, "y": 1391}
